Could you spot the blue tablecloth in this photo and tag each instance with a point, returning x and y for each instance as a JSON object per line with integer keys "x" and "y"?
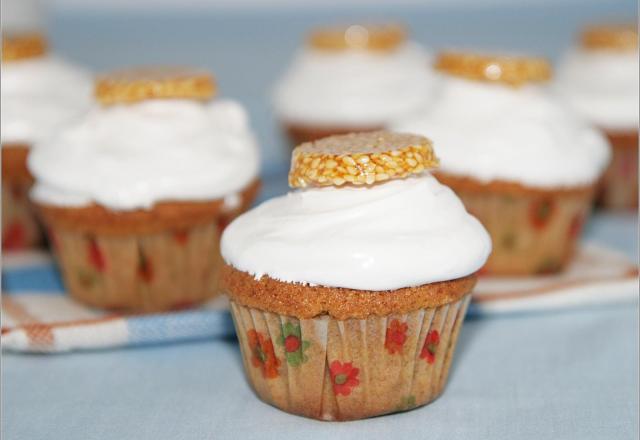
{"x": 569, "y": 375}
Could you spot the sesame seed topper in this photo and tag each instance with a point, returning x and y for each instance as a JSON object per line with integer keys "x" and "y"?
{"x": 514, "y": 71}
{"x": 620, "y": 37}
{"x": 360, "y": 159}
{"x": 16, "y": 47}
{"x": 144, "y": 83}
{"x": 376, "y": 38}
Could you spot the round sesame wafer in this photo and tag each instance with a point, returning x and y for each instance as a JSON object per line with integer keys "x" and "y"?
{"x": 23, "y": 46}
{"x": 360, "y": 159}
{"x": 377, "y": 38}
{"x": 139, "y": 84}
{"x": 511, "y": 70}
{"x": 617, "y": 37}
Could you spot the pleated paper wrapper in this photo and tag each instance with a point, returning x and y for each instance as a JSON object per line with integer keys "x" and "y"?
{"x": 169, "y": 270}
{"x": 619, "y": 185}
{"x": 531, "y": 233}
{"x": 328, "y": 369}
{"x": 20, "y": 228}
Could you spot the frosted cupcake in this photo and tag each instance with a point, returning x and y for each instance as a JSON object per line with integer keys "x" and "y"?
{"x": 349, "y": 79}
{"x": 348, "y": 293}
{"x": 521, "y": 162}
{"x": 599, "y": 79}
{"x": 40, "y": 94}
{"x": 136, "y": 192}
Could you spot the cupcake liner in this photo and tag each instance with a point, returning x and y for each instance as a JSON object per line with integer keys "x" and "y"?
{"x": 153, "y": 272}
{"x": 330, "y": 369}
{"x": 619, "y": 185}
{"x": 20, "y": 228}
{"x": 532, "y": 232}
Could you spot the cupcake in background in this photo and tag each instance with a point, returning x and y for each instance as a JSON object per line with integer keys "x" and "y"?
{"x": 521, "y": 162}
{"x": 349, "y": 79}
{"x": 136, "y": 192}
{"x": 599, "y": 79}
{"x": 348, "y": 293}
{"x": 40, "y": 94}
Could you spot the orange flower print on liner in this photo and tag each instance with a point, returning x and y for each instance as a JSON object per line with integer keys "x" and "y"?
{"x": 181, "y": 237}
{"x": 17, "y": 192}
{"x": 540, "y": 213}
{"x": 262, "y": 354}
{"x": 14, "y": 237}
{"x": 344, "y": 377}
{"x": 222, "y": 224}
{"x": 96, "y": 258}
{"x": 576, "y": 225}
{"x": 145, "y": 270}
{"x": 430, "y": 346}
{"x": 396, "y": 336}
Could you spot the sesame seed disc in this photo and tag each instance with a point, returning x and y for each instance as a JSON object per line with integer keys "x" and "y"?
{"x": 617, "y": 37}
{"x": 140, "y": 84}
{"x": 381, "y": 38}
{"x": 510, "y": 70}
{"x": 20, "y": 47}
{"x": 360, "y": 159}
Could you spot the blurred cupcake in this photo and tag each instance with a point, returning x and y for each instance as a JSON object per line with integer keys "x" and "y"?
{"x": 40, "y": 94}
{"x": 600, "y": 80}
{"x": 523, "y": 164}
{"x": 348, "y": 293}
{"x": 348, "y": 79}
{"x": 135, "y": 193}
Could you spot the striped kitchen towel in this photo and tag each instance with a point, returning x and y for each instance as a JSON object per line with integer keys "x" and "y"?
{"x": 38, "y": 317}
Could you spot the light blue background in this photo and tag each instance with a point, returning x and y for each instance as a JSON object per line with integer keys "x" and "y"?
{"x": 249, "y": 50}
{"x": 569, "y": 375}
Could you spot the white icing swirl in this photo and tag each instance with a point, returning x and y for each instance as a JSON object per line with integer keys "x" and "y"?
{"x": 398, "y": 234}
{"x": 602, "y": 86}
{"x": 354, "y": 87}
{"x": 495, "y": 132}
{"x": 131, "y": 156}
{"x": 39, "y": 96}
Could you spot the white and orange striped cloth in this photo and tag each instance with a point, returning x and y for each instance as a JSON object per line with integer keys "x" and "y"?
{"x": 38, "y": 317}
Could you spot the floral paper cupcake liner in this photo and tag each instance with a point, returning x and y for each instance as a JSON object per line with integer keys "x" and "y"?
{"x": 154, "y": 272}
{"x": 533, "y": 231}
{"x": 331, "y": 369}
{"x": 20, "y": 228}
{"x": 619, "y": 185}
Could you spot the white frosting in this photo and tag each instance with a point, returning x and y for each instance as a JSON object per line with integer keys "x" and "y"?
{"x": 39, "y": 96}
{"x": 132, "y": 156}
{"x": 602, "y": 86}
{"x": 398, "y": 234}
{"x": 495, "y": 132}
{"x": 354, "y": 87}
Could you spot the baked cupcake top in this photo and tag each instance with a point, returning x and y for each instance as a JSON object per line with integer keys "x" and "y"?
{"x": 493, "y": 120}
{"x": 599, "y": 77}
{"x": 40, "y": 92}
{"x": 402, "y": 232}
{"x": 354, "y": 76}
{"x": 154, "y": 135}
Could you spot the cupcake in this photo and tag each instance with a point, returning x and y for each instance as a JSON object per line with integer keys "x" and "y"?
{"x": 521, "y": 162}
{"x": 40, "y": 94}
{"x": 349, "y": 292}
{"x": 599, "y": 79}
{"x": 136, "y": 193}
{"x": 347, "y": 79}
